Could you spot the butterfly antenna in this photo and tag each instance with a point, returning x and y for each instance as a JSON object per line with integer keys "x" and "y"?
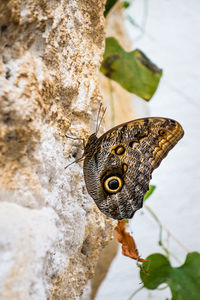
{"x": 101, "y": 120}
{"x": 76, "y": 138}
{"x": 100, "y": 106}
{"x": 75, "y": 161}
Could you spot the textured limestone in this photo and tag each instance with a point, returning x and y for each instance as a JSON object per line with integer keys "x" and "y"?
{"x": 50, "y": 230}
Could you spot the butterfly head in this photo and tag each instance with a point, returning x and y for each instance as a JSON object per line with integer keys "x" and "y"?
{"x": 90, "y": 145}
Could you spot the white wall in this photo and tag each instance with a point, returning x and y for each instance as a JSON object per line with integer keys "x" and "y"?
{"x": 172, "y": 42}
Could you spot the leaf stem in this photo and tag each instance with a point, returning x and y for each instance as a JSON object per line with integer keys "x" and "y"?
{"x": 135, "y": 292}
{"x": 162, "y": 288}
{"x": 169, "y": 233}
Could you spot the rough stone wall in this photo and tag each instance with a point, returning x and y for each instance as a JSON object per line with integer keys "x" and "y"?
{"x": 50, "y": 230}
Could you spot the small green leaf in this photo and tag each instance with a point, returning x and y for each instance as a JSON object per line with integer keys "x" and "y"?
{"x": 126, "y": 4}
{"x": 183, "y": 281}
{"x": 132, "y": 70}
{"x": 150, "y": 191}
{"x": 108, "y": 6}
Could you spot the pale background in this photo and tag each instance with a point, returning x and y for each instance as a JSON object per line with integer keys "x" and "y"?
{"x": 172, "y": 41}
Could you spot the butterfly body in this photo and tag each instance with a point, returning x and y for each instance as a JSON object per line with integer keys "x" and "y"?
{"x": 118, "y": 165}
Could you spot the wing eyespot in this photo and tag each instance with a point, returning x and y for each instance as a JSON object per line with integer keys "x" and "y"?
{"x": 124, "y": 167}
{"x": 113, "y": 184}
{"x": 119, "y": 150}
{"x": 162, "y": 132}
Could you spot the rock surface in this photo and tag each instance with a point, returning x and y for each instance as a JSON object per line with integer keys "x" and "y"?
{"x": 51, "y": 233}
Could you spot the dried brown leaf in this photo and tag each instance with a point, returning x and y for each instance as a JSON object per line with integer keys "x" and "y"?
{"x": 128, "y": 244}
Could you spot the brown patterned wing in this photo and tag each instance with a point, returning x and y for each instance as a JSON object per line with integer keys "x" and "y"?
{"x": 118, "y": 165}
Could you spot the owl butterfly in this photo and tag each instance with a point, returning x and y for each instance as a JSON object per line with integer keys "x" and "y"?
{"x": 118, "y": 166}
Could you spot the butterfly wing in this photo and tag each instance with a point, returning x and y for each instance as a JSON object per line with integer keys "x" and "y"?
{"x": 118, "y": 165}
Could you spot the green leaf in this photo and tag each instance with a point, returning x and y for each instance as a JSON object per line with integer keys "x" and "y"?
{"x": 126, "y": 4}
{"x": 183, "y": 281}
{"x": 150, "y": 191}
{"x": 108, "y": 6}
{"x": 132, "y": 70}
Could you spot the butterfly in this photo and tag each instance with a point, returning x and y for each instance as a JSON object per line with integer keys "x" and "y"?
{"x": 118, "y": 165}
